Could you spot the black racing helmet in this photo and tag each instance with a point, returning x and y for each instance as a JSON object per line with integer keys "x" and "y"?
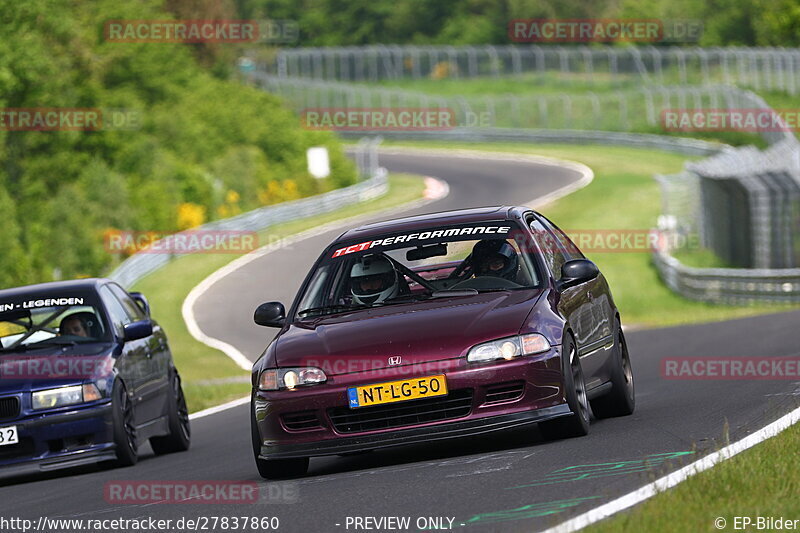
{"x": 495, "y": 257}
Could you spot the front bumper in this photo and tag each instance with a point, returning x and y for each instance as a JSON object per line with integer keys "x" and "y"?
{"x": 541, "y": 398}
{"x": 450, "y": 430}
{"x": 65, "y": 439}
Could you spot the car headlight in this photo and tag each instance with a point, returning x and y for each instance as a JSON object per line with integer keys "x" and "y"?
{"x": 290, "y": 378}
{"x": 508, "y": 348}
{"x": 52, "y": 398}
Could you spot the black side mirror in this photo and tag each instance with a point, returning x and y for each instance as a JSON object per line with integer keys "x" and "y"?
{"x": 271, "y": 314}
{"x": 576, "y": 272}
{"x": 137, "y": 330}
{"x": 141, "y": 301}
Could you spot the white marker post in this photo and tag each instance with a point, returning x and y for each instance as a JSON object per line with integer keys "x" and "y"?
{"x": 319, "y": 164}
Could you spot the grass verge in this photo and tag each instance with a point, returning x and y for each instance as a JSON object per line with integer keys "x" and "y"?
{"x": 209, "y": 376}
{"x": 623, "y": 196}
{"x": 761, "y": 481}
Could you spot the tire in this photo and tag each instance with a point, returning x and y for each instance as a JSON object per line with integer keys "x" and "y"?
{"x": 180, "y": 434}
{"x": 621, "y": 399}
{"x": 274, "y": 468}
{"x": 577, "y": 424}
{"x": 127, "y": 444}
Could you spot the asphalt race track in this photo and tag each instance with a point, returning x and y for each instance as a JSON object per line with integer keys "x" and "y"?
{"x": 508, "y": 481}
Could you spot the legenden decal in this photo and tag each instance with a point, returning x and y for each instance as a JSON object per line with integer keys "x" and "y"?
{"x": 46, "y": 302}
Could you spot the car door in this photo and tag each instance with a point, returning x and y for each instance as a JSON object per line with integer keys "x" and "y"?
{"x": 573, "y": 303}
{"x": 132, "y": 361}
{"x": 155, "y": 381}
{"x": 597, "y": 317}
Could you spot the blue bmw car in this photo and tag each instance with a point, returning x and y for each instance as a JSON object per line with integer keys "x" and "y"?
{"x": 86, "y": 375}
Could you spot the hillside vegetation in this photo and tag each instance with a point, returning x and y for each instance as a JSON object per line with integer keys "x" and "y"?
{"x": 201, "y": 147}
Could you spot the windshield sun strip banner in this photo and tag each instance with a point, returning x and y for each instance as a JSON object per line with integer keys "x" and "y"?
{"x": 41, "y": 302}
{"x": 420, "y": 237}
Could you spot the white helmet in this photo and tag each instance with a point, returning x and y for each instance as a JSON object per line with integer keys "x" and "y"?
{"x": 373, "y": 279}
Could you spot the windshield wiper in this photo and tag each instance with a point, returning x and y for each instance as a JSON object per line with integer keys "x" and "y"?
{"x": 449, "y": 293}
{"x": 36, "y": 345}
{"x": 405, "y": 298}
{"x": 330, "y": 309}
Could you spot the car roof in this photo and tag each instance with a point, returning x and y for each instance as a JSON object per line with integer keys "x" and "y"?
{"x": 52, "y": 287}
{"x": 442, "y": 218}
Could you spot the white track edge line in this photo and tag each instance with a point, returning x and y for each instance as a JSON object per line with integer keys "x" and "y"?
{"x": 662, "y": 484}
{"x": 219, "y": 408}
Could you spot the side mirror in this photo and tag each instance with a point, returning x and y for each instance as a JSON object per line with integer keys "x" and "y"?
{"x": 271, "y": 314}
{"x": 576, "y": 272}
{"x": 141, "y": 301}
{"x": 137, "y": 330}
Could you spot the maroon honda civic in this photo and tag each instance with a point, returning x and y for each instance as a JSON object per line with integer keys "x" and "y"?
{"x": 433, "y": 327}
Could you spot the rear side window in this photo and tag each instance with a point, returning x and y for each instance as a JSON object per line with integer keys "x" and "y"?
{"x": 132, "y": 309}
{"x": 119, "y": 317}
{"x": 569, "y": 247}
{"x": 553, "y": 251}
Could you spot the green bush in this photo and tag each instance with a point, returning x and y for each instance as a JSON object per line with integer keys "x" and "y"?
{"x": 200, "y": 140}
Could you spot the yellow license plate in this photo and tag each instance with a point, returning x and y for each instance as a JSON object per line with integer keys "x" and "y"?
{"x": 397, "y": 391}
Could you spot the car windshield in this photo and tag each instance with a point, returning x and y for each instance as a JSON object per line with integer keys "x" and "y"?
{"x": 400, "y": 268}
{"x": 44, "y": 320}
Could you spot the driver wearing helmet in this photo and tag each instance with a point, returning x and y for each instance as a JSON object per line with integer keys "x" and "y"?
{"x": 373, "y": 279}
{"x": 495, "y": 257}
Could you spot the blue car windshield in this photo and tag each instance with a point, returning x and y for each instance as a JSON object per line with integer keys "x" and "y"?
{"x": 27, "y": 323}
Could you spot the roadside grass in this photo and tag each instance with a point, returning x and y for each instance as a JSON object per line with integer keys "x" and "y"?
{"x": 209, "y": 376}
{"x": 623, "y": 196}
{"x": 762, "y": 481}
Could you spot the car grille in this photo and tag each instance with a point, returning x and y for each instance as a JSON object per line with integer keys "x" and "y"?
{"x": 505, "y": 392}
{"x": 456, "y": 405}
{"x": 9, "y": 408}
{"x": 301, "y": 420}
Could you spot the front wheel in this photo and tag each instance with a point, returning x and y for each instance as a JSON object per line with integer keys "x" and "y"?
{"x": 179, "y": 437}
{"x": 577, "y": 424}
{"x": 125, "y": 438}
{"x": 621, "y": 399}
{"x": 274, "y": 468}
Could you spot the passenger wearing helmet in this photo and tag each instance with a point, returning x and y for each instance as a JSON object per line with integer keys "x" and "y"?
{"x": 495, "y": 257}
{"x": 373, "y": 279}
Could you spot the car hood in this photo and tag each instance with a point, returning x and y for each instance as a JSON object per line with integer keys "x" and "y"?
{"x": 419, "y": 332}
{"x": 53, "y": 367}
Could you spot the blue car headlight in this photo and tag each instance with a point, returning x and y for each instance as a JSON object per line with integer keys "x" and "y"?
{"x": 63, "y": 396}
{"x": 508, "y": 348}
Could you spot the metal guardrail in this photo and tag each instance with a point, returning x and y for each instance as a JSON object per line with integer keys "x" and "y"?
{"x": 141, "y": 264}
{"x": 727, "y": 285}
{"x": 637, "y": 109}
{"x": 681, "y": 145}
{"x": 756, "y": 68}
